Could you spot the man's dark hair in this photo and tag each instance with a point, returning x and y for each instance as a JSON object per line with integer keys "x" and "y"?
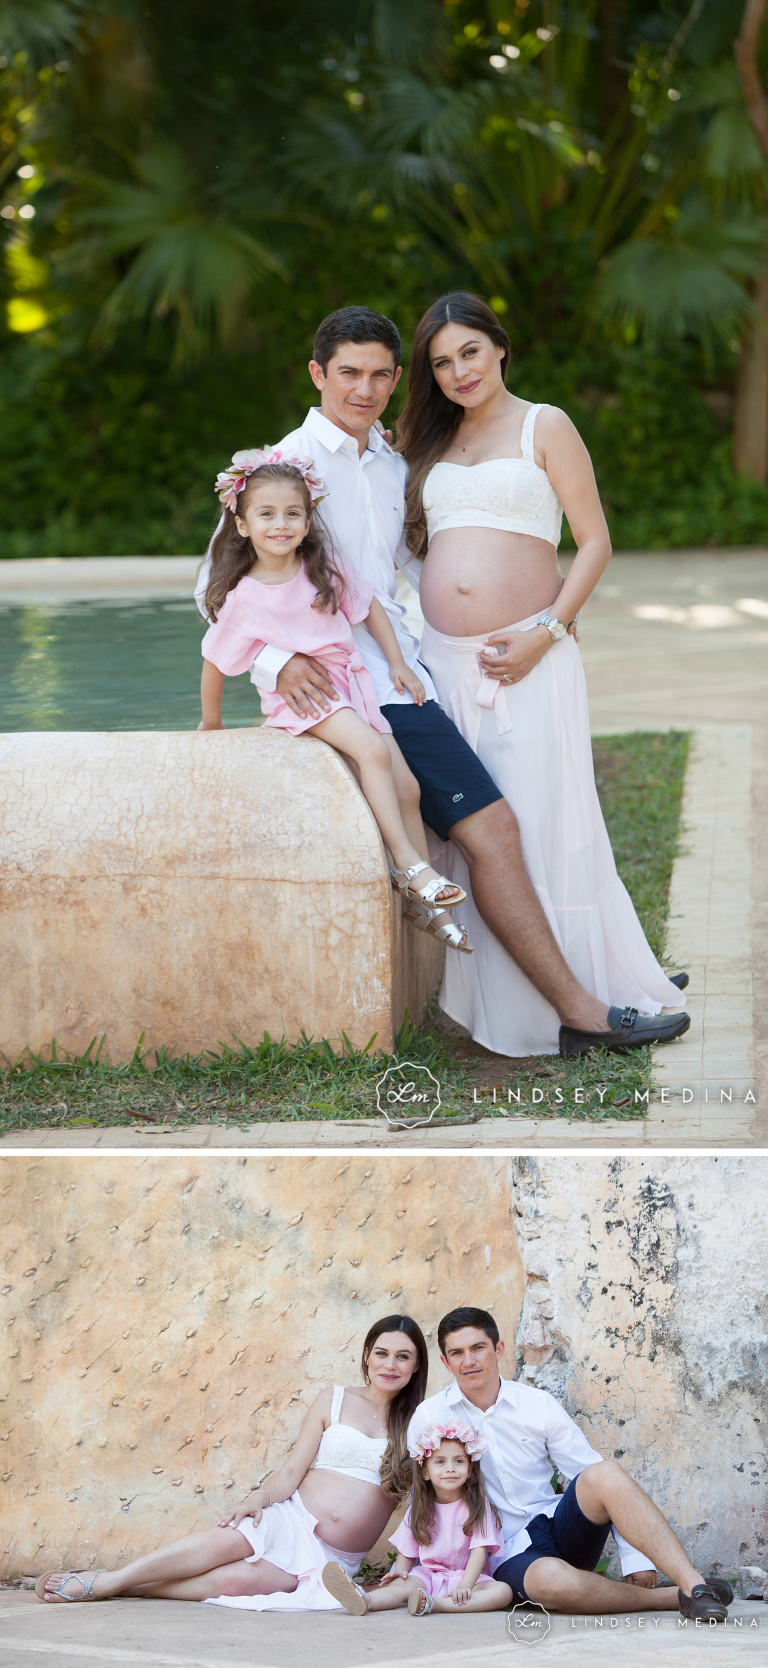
{"x": 355, "y": 324}
{"x": 457, "y": 1318}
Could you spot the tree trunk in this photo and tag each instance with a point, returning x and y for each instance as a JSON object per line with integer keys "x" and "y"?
{"x": 750, "y": 431}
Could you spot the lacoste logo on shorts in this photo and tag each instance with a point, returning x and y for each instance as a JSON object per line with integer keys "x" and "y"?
{"x": 457, "y": 797}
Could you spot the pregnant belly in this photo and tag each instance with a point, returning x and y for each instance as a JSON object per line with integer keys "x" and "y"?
{"x": 478, "y": 579}
{"x": 350, "y": 1514}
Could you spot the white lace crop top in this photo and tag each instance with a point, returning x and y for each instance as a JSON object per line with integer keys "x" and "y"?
{"x": 511, "y": 493}
{"x": 348, "y": 1451}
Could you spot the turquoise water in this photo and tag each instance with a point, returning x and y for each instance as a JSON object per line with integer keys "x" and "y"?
{"x": 109, "y": 666}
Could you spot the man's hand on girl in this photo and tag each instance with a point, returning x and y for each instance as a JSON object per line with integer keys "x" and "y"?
{"x": 302, "y": 681}
{"x": 519, "y": 652}
{"x": 403, "y": 678}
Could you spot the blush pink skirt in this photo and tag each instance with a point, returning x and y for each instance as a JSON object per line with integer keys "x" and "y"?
{"x": 355, "y": 685}
{"x": 533, "y": 738}
{"x": 286, "y": 1538}
{"x": 441, "y": 1581}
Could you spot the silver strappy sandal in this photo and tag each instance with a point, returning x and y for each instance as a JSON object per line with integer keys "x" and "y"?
{"x": 346, "y": 1592}
{"x": 86, "y": 1582}
{"x": 421, "y": 1604}
{"x": 402, "y": 880}
{"x": 439, "y": 924}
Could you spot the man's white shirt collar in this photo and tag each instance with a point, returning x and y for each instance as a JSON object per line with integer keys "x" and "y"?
{"x": 333, "y": 438}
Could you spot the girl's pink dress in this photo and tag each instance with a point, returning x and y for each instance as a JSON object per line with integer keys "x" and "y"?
{"x": 442, "y": 1564}
{"x": 254, "y": 615}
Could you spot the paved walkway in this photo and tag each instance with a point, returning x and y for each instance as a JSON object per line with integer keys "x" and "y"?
{"x": 145, "y": 1633}
{"x": 668, "y": 640}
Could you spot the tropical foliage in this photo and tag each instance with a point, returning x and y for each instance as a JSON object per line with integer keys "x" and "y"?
{"x": 186, "y": 189}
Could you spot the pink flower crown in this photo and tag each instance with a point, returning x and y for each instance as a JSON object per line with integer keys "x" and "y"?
{"x": 229, "y": 482}
{"x": 428, "y": 1441}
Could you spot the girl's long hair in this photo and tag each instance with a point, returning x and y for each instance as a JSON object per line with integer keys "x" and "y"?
{"x": 233, "y": 555}
{"x": 395, "y": 1470}
{"x": 424, "y": 1502}
{"x": 430, "y": 420}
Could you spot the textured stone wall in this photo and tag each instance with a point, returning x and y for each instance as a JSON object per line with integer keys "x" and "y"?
{"x": 646, "y": 1313}
{"x": 167, "y": 1321}
{"x": 194, "y": 888}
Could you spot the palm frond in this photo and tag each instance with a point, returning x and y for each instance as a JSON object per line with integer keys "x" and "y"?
{"x": 188, "y": 259}
{"x": 691, "y": 281}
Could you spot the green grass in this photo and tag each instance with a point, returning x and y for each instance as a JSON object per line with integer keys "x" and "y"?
{"x": 640, "y": 779}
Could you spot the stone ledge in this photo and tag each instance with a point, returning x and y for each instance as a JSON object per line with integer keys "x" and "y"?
{"x": 192, "y": 887}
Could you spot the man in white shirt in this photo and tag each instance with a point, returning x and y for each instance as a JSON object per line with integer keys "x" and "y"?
{"x": 356, "y": 366}
{"x": 553, "y": 1542}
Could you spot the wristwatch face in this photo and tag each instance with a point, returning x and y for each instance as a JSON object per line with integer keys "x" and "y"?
{"x": 556, "y": 629}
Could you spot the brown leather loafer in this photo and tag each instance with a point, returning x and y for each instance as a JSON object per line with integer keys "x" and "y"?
{"x": 703, "y": 1604}
{"x": 629, "y": 1029}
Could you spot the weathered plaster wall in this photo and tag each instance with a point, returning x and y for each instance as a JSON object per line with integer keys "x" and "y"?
{"x": 192, "y": 887}
{"x": 168, "y": 1320}
{"x": 646, "y": 1313}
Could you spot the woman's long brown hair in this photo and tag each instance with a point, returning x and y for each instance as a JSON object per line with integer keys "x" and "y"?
{"x": 233, "y": 555}
{"x": 430, "y": 420}
{"x": 395, "y": 1470}
{"x": 424, "y": 1503}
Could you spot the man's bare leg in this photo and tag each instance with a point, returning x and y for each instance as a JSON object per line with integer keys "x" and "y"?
{"x": 606, "y": 1494}
{"x": 558, "y": 1586}
{"x": 489, "y": 842}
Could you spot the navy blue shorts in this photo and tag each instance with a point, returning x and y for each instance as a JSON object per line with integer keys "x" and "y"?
{"x": 568, "y": 1534}
{"x": 453, "y": 782}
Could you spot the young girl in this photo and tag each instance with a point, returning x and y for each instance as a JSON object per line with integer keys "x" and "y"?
{"x": 273, "y": 582}
{"x": 449, "y": 1528}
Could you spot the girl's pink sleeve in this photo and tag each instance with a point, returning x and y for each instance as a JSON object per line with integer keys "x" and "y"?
{"x": 232, "y": 643}
{"x": 403, "y": 1540}
{"x": 358, "y": 595}
{"x": 487, "y": 1535}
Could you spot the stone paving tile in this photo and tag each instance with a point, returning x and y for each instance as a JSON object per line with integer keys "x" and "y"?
{"x": 150, "y": 1634}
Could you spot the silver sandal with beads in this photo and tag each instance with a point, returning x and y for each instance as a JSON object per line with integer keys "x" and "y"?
{"x": 86, "y": 1582}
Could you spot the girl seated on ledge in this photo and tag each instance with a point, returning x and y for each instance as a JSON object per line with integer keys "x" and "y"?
{"x": 274, "y": 582}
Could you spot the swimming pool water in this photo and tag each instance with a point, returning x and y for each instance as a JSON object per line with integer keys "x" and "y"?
{"x": 109, "y": 666}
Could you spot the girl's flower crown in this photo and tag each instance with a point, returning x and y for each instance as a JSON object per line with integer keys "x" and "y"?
{"x": 432, "y": 1435}
{"x": 229, "y": 482}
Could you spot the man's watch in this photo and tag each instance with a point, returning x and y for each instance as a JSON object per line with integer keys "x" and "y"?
{"x": 555, "y": 627}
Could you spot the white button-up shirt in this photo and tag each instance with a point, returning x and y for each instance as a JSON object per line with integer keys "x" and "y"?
{"x": 528, "y": 1433}
{"x": 364, "y": 514}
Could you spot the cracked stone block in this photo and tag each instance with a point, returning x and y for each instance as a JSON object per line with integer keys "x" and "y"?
{"x": 752, "y": 1582}
{"x": 196, "y": 887}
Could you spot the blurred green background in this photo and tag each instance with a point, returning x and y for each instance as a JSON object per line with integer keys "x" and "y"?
{"x": 186, "y": 188}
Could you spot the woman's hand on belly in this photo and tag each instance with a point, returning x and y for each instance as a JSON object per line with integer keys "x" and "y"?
{"x": 516, "y": 655}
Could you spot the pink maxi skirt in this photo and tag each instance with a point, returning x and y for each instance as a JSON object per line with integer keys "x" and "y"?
{"x": 533, "y": 738}
{"x": 286, "y": 1537}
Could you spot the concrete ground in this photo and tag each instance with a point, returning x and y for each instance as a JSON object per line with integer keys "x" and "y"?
{"x": 673, "y": 639}
{"x": 152, "y": 1634}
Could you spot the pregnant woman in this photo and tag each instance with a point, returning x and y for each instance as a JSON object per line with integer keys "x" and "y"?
{"x": 330, "y": 1501}
{"x": 489, "y": 477}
